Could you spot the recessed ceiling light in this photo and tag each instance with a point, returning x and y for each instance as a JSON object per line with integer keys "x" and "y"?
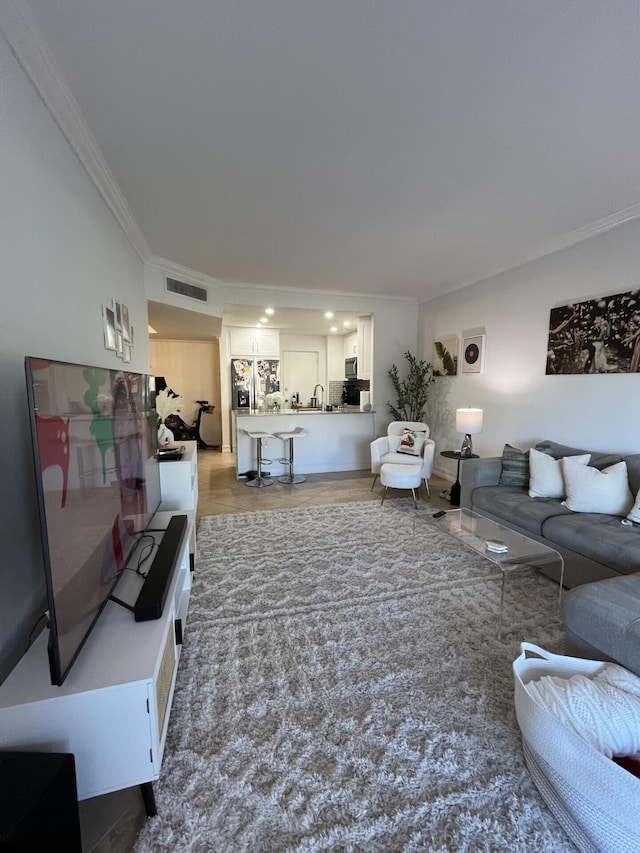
{"x": 346, "y": 323}
{"x": 269, "y": 311}
{"x": 328, "y": 314}
{"x": 258, "y": 325}
{"x": 334, "y": 328}
{"x": 264, "y": 319}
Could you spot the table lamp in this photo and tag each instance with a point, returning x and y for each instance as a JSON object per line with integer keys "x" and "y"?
{"x": 469, "y": 422}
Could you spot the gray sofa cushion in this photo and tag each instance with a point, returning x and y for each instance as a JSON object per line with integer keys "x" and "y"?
{"x": 600, "y": 537}
{"x": 516, "y": 507}
{"x": 607, "y": 615}
{"x": 558, "y": 451}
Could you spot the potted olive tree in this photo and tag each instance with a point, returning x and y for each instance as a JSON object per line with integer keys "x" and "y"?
{"x": 412, "y": 392}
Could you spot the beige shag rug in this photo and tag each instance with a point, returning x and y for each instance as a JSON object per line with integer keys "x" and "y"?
{"x": 341, "y": 688}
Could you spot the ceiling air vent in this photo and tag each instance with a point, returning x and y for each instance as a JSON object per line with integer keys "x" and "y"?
{"x": 184, "y": 289}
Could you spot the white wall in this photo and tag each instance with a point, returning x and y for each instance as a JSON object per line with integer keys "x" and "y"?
{"x": 63, "y": 256}
{"x": 192, "y": 369}
{"x": 521, "y": 403}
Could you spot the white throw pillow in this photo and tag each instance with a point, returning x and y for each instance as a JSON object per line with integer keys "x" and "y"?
{"x": 634, "y": 515}
{"x": 545, "y": 474}
{"x": 411, "y": 442}
{"x": 590, "y": 490}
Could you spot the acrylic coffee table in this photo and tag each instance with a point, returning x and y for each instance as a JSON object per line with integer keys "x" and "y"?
{"x": 474, "y": 531}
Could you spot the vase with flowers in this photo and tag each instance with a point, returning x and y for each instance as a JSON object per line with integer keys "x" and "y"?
{"x": 275, "y": 401}
{"x": 166, "y": 404}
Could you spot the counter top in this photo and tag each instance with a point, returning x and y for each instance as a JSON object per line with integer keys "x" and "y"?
{"x": 345, "y": 410}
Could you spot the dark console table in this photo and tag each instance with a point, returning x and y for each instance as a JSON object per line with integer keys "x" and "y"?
{"x": 455, "y": 489}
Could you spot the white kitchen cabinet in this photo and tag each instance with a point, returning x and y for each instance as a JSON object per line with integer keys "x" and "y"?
{"x": 258, "y": 342}
{"x": 350, "y": 345}
{"x": 179, "y": 486}
{"x": 268, "y": 343}
{"x": 112, "y": 711}
{"x": 364, "y": 347}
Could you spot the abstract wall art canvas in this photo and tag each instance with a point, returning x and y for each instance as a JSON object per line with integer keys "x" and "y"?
{"x": 596, "y": 336}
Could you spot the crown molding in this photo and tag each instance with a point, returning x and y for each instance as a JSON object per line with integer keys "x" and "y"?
{"x": 27, "y": 43}
{"x": 595, "y": 229}
{"x": 565, "y": 241}
{"x": 318, "y": 291}
{"x": 186, "y": 273}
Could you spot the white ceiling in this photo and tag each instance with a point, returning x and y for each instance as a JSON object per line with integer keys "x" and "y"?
{"x": 362, "y": 146}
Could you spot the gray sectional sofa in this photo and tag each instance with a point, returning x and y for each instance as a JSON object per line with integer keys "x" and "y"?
{"x": 602, "y": 620}
{"x": 594, "y": 546}
{"x": 601, "y": 555}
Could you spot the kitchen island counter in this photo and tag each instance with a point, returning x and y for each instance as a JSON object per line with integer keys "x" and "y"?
{"x": 337, "y": 440}
{"x": 345, "y": 410}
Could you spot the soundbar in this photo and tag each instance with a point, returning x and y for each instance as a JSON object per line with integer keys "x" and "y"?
{"x": 150, "y": 601}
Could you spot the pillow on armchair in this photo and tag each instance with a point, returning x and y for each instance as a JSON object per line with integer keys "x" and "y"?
{"x": 411, "y": 442}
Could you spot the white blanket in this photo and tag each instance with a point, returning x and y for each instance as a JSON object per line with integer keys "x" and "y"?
{"x": 603, "y": 710}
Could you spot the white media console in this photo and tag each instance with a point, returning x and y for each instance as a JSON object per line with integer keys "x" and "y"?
{"x": 112, "y": 711}
{"x": 179, "y": 484}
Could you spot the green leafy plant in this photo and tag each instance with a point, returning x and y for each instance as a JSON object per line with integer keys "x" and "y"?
{"x": 413, "y": 391}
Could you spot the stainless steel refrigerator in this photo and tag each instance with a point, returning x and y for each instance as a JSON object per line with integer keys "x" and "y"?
{"x": 251, "y": 379}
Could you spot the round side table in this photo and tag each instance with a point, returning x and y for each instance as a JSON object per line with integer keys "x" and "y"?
{"x": 455, "y": 489}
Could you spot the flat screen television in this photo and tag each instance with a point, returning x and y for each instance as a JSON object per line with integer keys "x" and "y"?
{"x": 94, "y": 433}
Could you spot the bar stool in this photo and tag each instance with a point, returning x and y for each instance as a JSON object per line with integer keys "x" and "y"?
{"x": 259, "y": 481}
{"x": 298, "y": 432}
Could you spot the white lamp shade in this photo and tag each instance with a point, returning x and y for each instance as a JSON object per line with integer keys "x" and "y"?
{"x": 469, "y": 421}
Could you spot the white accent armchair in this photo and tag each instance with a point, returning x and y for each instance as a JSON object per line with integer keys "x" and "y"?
{"x": 385, "y": 449}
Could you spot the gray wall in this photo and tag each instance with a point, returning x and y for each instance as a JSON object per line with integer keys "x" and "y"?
{"x": 63, "y": 256}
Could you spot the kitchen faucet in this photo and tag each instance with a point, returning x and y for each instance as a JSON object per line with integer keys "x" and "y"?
{"x": 322, "y": 406}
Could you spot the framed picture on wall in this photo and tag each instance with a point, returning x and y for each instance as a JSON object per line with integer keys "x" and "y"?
{"x": 126, "y": 333}
{"x": 109, "y": 321}
{"x": 595, "y": 336}
{"x": 445, "y": 356}
{"x": 472, "y": 354}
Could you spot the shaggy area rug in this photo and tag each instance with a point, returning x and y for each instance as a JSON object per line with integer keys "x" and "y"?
{"x": 341, "y": 688}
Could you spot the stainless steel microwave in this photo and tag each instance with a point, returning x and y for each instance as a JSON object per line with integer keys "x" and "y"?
{"x": 351, "y": 368}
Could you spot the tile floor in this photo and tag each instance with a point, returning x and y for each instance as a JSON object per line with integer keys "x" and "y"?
{"x": 110, "y": 823}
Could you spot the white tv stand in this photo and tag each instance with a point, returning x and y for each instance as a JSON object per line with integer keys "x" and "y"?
{"x": 179, "y": 485}
{"x": 112, "y": 711}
